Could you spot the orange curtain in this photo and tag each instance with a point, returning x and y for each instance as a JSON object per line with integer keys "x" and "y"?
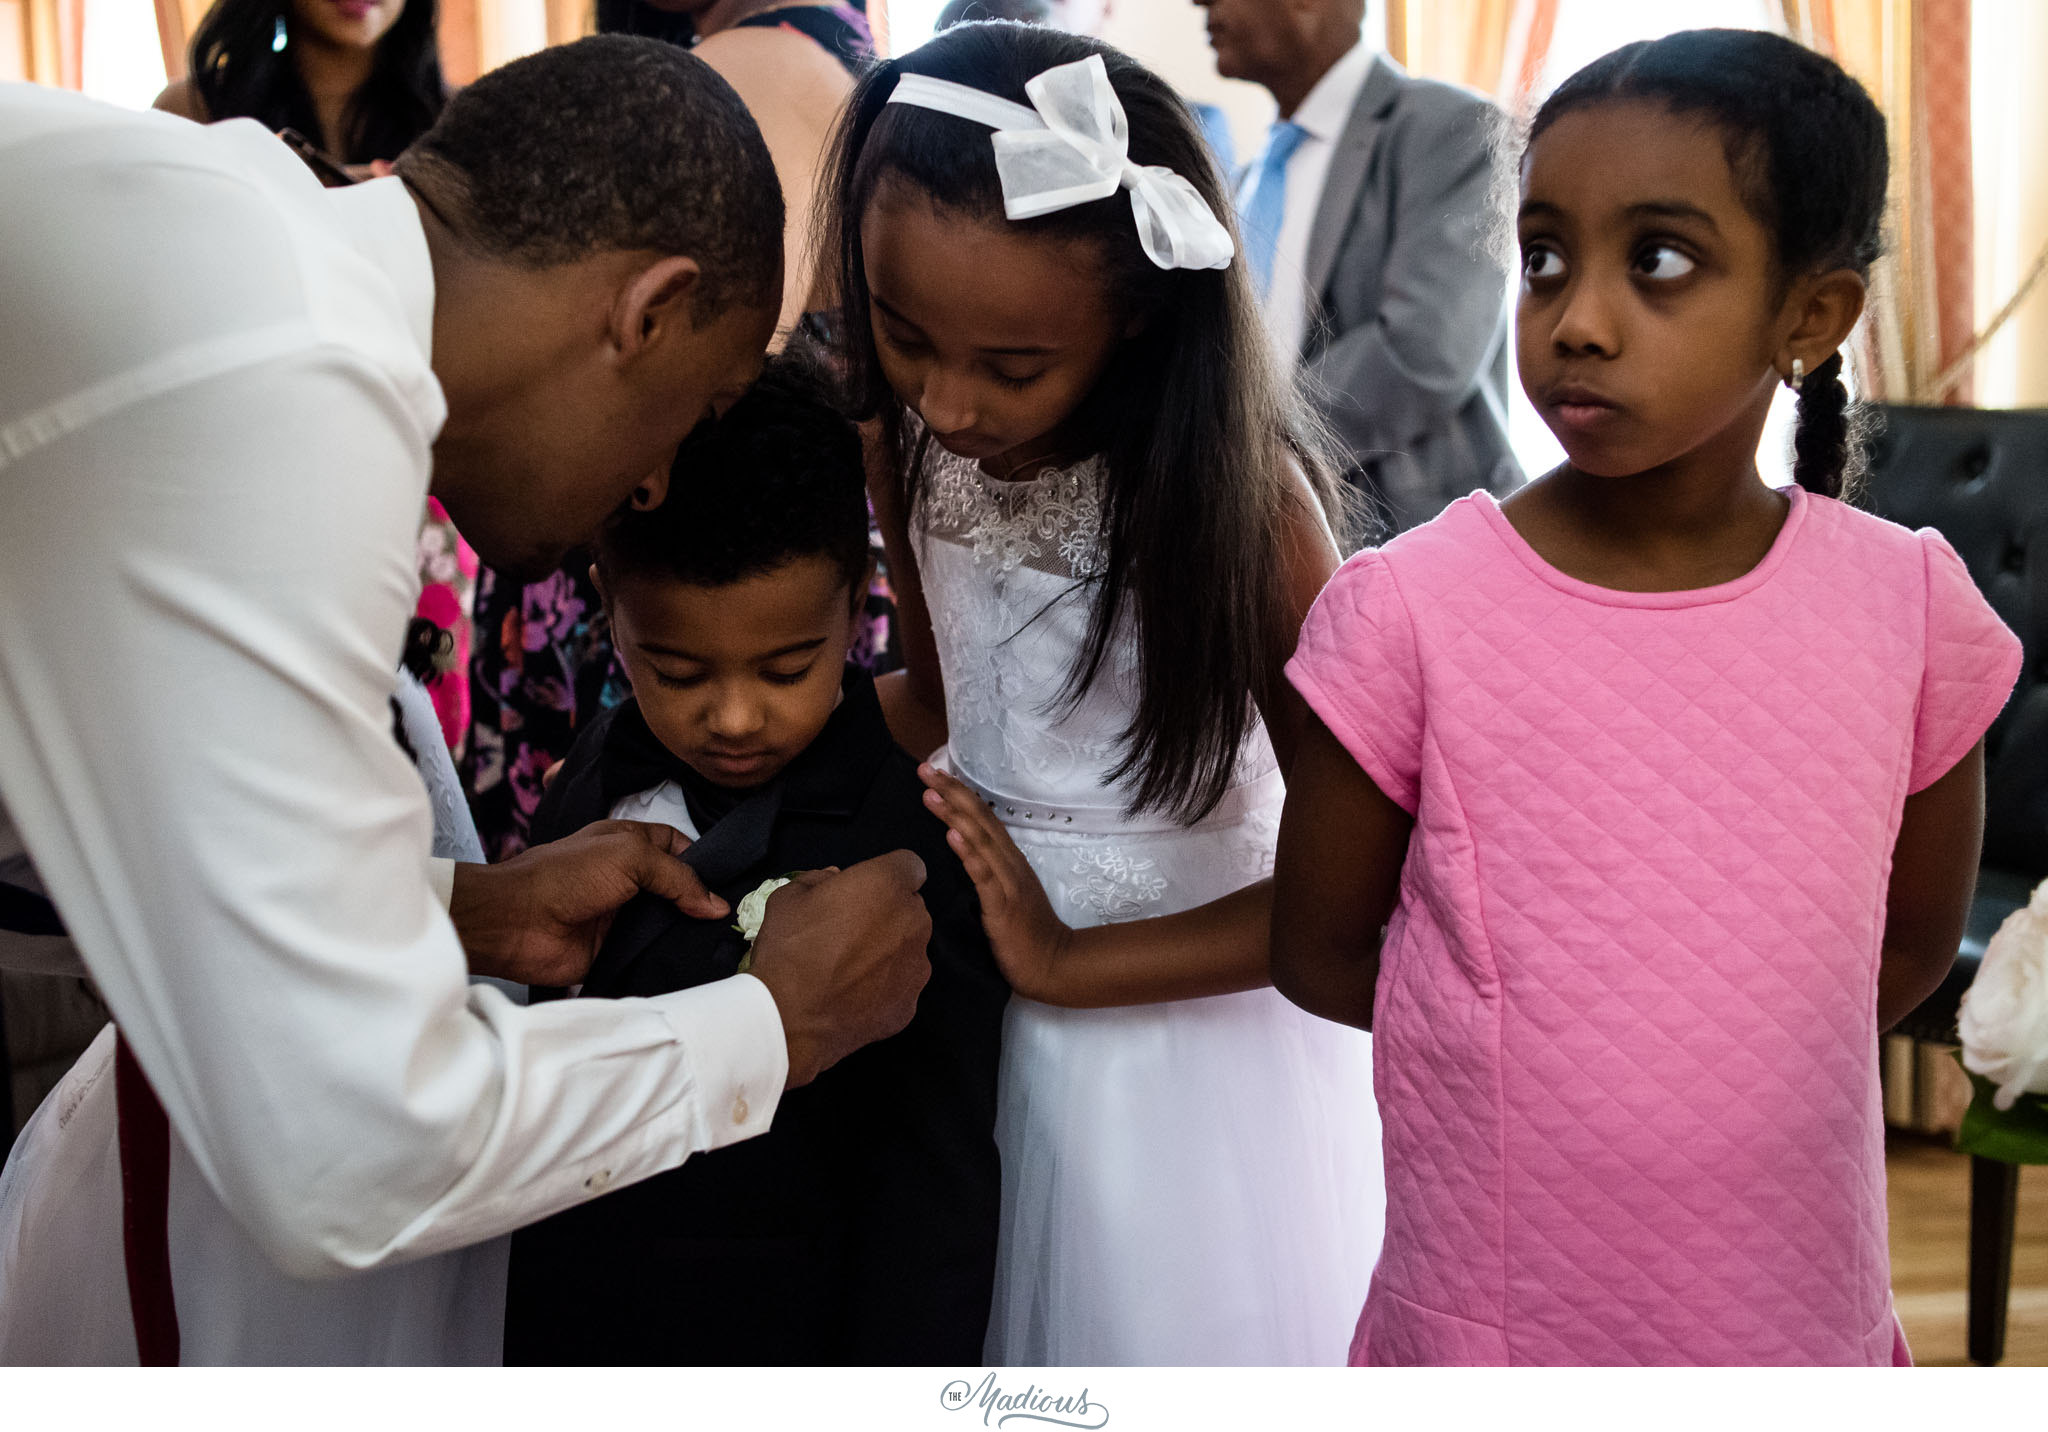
{"x": 1914, "y": 58}
{"x": 53, "y": 42}
{"x": 479, "y": 35}
{"x": 13, "y": 40}
{"x": 570, "y": 20}
{"x": 1494, "y": 46}
{"x": 176, "y": 21}
{"x": 184, "y": 17}
{"x": 460, "y": 35}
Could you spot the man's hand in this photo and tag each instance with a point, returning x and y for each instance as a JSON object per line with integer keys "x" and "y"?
{"x": 843, "y": 952}
{"x": 539, "y": 917}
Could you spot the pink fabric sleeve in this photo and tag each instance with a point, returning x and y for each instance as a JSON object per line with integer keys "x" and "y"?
{"x": 1972, "y": 662}
{"x": 1358, "y": 670}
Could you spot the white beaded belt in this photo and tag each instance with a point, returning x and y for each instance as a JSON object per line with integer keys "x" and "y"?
{"x": 1025, "y": 814}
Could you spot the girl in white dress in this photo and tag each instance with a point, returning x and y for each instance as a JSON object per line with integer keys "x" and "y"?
{"x": 1105, "y": 522}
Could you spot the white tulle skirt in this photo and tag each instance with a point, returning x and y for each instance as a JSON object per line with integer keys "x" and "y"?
{"x": 1194, "y": 1183}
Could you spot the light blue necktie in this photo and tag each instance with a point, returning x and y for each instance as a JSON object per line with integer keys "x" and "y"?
{"x": 1267, "y": 206}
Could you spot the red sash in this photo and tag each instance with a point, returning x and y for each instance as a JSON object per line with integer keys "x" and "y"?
{"x": 145, "y": 1135}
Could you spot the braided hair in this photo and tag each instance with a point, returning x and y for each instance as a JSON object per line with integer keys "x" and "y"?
{"x": 1809, "y": 153}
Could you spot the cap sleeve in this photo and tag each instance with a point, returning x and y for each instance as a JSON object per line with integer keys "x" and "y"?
{"x": 1972, "y": 661}
{"x": 1357, "y": 668}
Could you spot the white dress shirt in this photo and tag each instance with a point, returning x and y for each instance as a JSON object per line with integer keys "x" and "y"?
{"x": 216, "y": 415}
{"x": 1322, "y": 113}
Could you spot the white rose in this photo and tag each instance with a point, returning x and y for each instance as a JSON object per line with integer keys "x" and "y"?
{"x": 751, "y": 912}
{"x": 2004, "y": 1022}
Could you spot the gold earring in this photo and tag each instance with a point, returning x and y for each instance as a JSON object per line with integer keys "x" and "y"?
{"x": 1798, "y": 374}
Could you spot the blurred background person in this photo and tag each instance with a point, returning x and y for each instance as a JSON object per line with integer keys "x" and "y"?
{"x": 1367, "y": 222}
{"x": 1083, "y": 17}
{"x": 360, "y": 78}
{"x": 793, "y": 65}
{"x": 1024, "y": 12}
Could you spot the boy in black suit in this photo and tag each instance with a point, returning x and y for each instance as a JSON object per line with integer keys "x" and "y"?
{"x": 862, "y": 1227}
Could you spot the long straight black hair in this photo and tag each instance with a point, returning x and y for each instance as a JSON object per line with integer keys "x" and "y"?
{"x": 1206, "y": 447}
{"x": 240, "y": 73}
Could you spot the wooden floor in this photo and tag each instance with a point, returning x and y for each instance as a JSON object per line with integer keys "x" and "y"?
{"x": 1930, "y": 1213}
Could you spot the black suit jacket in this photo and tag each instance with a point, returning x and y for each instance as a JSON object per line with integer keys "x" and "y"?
{"x": 861, "y": 1228}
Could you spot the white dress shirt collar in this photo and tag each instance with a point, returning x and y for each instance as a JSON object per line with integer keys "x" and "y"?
{"x": 1323, "y": 111}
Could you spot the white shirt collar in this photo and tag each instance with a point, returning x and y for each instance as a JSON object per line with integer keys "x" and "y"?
{"x": 1328, "y": 105}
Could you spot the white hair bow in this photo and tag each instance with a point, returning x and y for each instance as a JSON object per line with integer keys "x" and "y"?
{"x": 1074, "y": 146}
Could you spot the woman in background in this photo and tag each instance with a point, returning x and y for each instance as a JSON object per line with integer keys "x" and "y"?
{"x": 794, "y": 65}
{"x": 361, "y": 79}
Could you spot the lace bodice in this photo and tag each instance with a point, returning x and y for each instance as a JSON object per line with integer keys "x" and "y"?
{"x": 1051, "y": 523}
{"x": 1008, "y": 572}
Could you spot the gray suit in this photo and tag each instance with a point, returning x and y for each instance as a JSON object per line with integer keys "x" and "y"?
{"x": 1407, "y": 346}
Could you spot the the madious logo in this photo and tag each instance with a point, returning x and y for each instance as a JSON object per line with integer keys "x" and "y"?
{"x": 999, "y": 1406}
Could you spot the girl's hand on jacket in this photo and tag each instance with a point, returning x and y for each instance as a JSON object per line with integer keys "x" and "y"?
{"x": 1028, "y": 939}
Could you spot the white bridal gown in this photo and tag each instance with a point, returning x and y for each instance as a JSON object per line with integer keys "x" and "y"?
{"x": 1192, "y": 1183}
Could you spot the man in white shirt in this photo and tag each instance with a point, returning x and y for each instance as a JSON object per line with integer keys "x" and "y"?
{"x": 1368, "y": 227}
{"x": 225, "y": 394}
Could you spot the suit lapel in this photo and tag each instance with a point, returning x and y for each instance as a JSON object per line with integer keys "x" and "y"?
{"x": 737, "y": 844}
{"x": 1348, "y": 168}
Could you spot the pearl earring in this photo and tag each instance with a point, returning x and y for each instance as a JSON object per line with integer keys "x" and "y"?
{"x": 1798, "y": 374}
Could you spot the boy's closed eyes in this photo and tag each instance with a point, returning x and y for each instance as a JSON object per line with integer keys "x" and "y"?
{"x": 736, "y": 679}
{"x": 736, "y": 592}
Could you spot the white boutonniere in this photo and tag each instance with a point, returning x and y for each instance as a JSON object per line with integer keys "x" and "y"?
{"x": 750, "y": 913}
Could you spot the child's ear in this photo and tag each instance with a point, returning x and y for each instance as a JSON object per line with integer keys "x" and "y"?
{"x": 597, "y": 581}
{"x": 652, "y": 491}
{"x": 857, "y": 599}
{"x": 1823, "y": 310}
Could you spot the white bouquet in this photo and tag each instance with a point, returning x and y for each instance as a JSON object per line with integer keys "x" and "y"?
{"x": 2004, "y": 1031}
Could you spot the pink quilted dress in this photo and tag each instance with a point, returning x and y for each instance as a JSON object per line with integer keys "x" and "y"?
{"x": 1625, "y": 1041}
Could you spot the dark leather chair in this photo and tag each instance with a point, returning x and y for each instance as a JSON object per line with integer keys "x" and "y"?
{"x": 1981, "y": 480}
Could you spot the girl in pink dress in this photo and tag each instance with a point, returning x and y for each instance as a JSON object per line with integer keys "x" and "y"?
{"x": 1666, "y": 785}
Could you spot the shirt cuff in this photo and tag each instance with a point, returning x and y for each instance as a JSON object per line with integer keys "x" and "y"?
{"x": 731, "y": 1034}
{"x": 441, "y": 875}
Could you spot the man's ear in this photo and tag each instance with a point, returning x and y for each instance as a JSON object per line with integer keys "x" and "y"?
{"x": 1823, "y": 310}
{"x": 654, "y": 302}
{"x": 597, "y": 581}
